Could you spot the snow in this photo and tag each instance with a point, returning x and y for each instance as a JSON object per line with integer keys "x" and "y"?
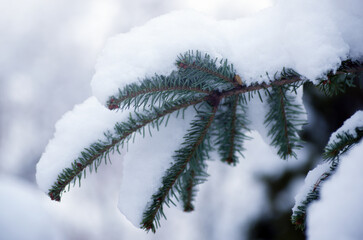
{"x": 349, "y": 126}
{"x": 234, "y": 210}
{"x": 307, "y": 36}
{"x": 338, "y": 214}
{"x": 76, "y": 130}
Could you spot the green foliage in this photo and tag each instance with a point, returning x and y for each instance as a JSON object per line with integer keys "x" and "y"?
{"x": 220, "y": 99}
{"x": 299, "y": 215}
{"x": 283, "y": 121}
{"x": 349, "y": 73}
{"x": 156, "y": 91}
{"x": 187, "y": 171}
{"x": 220, "y": 74}
{"x": 231, "y": 125}
{"x": 92, "y": 157}
{"x": 345, "y": 141}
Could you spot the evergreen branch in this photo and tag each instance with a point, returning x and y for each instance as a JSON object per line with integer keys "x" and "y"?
{"x": 350, "y": 66}
{"x": 286, "y": 77}
{"x": 296, "y": 81}
{"x": 158, "y": 88}
{"x": 343, "y": 78}
{"x": 195, "y": 173}
{"x": 298, "y": 217}
{"x": 191, "y": 178}
{"x": 282, "y": 119}
{"x": 217, "y": 93}
{"x": 195, "y": 66}
{"x": 93, "y": 155}
{"x": 231, "y": 157}
{"x": 345, "y": 141}
{"x": 187, "y": 161}
{"x": 337, "y": 83}
{"x": 189, "y": 193}
{"x": 229, "y": 126}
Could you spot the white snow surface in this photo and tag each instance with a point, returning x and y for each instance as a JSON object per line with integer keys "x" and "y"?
{"x": 338, "y": 213}
{"x": 356, "y": 120}
{"x": 309, "y": 36}
{"x": 76, "y": 130}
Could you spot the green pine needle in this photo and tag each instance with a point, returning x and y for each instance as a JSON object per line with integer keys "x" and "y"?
{"x": 230, "y": 127}
{"x": 332, "y": 153}
{"x": 283, "y": 121}
{"x": 344, "y": 142}
{"x": 155, "y": 91}
{"x": 188, "y": 162}
{"x": 347, "y": 76}
{"x": 298, "y": 217}
{"x": 93, "y": 156}
{"x": 199, "y": 68}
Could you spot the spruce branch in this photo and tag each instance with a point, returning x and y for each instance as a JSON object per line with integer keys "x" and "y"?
{"x": 188, "y": 195}
{"x": 156, "y": 89}
{"x": 195, "y": 66}
{"x": 346, "y": 76}
{"x": 332, "y": 153}
{"x": 344, "y": 142}
{"x": 93, "y": 155}
{"x": 230, "y": 128}
{"x": 188, "y": 162}
{"x": 298, "y": 217}
{"x": 287, "y": 77}
{"x": 283, "y": 121}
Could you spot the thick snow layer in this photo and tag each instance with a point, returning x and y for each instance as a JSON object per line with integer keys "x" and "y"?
{"x": 76, "y": 130}
{"x": 338, "y": 214}
{"x": 314, "y": 175}
{"x": 349, "y": 126}
{"x": 311, "y": 37}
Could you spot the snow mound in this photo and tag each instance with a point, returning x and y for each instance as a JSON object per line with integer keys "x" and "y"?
{"x": 337, "y": 215}
{"x": 311, "y": 37}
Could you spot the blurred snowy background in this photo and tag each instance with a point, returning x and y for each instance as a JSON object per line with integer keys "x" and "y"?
{"x": 48, "y": 53}
{"x": 48, "y": 50}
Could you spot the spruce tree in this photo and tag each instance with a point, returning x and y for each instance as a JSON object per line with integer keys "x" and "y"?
{"x": 220, "y": 98}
